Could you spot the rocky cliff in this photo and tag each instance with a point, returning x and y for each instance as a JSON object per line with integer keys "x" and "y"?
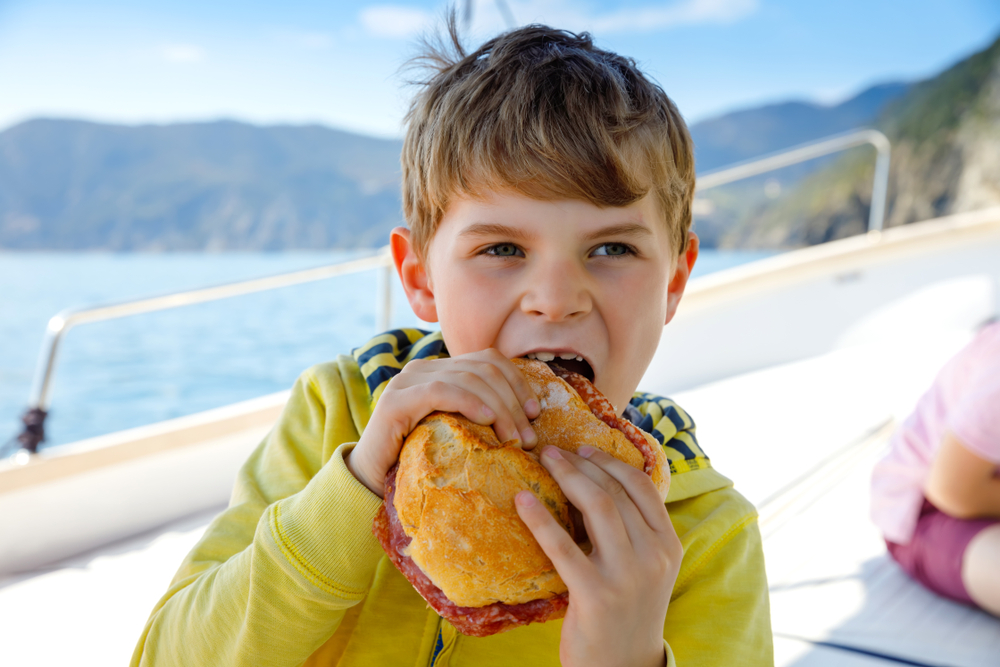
{"x": 945, "y": 135}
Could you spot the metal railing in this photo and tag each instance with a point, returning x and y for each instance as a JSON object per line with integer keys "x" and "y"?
{"x": 811, "y": 151}
{"x": 59, "y": 325}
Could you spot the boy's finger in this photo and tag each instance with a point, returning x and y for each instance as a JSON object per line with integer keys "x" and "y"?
{"x": 526, "y": 397}
{"x": 522, "y": 390}
{"x": 524, "y": 405}
{"x": 419, "y": 400}
{"x": 632, "y": 518}
{"x": 636, "y": 483}
{"x": 601, "y": 514}
{"x": 498, "y": 374}
{"x": 462, "y": 391}
{"x": 493, "y": 394}
{"x": 507, "y": 381}
{"x": 570, "y": 562}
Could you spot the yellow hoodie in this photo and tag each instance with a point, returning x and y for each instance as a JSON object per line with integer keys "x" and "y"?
{"x": 291, "y": 574}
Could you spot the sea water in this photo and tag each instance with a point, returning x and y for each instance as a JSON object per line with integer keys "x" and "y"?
{"x": 146, "y": 368}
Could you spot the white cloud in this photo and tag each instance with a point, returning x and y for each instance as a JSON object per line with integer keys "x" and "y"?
{"x": 182, "y": 53}
{"x": 394, "y": 20}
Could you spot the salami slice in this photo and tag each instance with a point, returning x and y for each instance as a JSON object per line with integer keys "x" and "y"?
{"x": 603, "y": 410}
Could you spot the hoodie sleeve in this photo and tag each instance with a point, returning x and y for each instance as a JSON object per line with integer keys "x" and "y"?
{"x": 270, "y": 580}
{"x": 719, "y": 613}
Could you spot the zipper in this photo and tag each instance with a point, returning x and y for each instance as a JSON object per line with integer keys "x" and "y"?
{"x": 438, "y": 645}
{"x": 444, "y": 645}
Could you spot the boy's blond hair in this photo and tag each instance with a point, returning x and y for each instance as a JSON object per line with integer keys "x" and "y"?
{"x": 543, "y": 113}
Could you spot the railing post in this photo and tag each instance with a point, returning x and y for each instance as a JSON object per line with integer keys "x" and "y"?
{"x": 880, "y": 183}
{"x": 385, "y": 299}
{"x": 812, "y": 151}
{"x": 386, "y": 275}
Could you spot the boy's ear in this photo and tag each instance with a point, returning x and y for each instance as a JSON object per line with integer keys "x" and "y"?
{"x": 413, "y": 274}
{"x": 679, "y": 279}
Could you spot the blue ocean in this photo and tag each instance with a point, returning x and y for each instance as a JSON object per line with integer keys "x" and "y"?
{"x": 137, "y": 370}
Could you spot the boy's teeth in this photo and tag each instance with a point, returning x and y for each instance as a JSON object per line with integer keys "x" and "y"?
{"x": 549, "y": 356}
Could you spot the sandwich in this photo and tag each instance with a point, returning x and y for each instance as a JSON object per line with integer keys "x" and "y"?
{"x": 448, "y": 520}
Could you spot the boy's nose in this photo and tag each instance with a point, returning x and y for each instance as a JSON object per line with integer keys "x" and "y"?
{"x": 557, "y": 292}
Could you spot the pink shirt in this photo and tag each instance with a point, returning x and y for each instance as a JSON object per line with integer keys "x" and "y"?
{"x": 964, "y": 399}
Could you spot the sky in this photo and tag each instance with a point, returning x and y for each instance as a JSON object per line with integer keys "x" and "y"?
{"x": 337, "y": 63}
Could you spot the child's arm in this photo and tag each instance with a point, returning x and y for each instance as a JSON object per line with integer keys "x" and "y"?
{"x": 962, "y": 484}
{"x": 620, "y": 593}
{"x": 271, "y": 578}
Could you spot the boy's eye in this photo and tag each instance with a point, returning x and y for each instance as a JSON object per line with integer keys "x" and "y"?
{"x": 504, "y": 250}
{"x": 612, "y": 250}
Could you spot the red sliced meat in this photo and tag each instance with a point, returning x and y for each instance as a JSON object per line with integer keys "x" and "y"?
{"x": 603, "y": 410}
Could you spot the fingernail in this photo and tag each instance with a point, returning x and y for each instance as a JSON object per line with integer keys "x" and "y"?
{"x": 528, "y": 435}
{"x": 532, "y": 407}
{"x": 525, "y": 499}
{"x": 585, "y": 451}
{"x": 552, "y": 452}
{"x": 488, "y": 413}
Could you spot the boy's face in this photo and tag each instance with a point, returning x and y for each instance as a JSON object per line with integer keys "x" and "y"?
{"x": 566, "y": 277}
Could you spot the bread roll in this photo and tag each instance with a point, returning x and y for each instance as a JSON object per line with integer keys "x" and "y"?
{"x": 453, "y": 491}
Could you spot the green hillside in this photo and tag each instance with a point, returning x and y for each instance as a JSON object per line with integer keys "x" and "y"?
{"x": 945, "y": 135}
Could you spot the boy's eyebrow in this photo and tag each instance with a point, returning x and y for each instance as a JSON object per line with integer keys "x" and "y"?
{"x": 494, "y": 229}
{"x": 623, "y": 229}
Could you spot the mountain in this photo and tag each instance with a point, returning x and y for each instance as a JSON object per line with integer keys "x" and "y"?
{"x": 73, "y": 185}
{"x": 945, "y": 135}
{"x": 749, "y": 133}
{"x": 742, "y": 135}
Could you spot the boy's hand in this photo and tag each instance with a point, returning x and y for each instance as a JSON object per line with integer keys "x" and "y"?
{"x": 618, "y": 595}
{"x": 484, "y": 386}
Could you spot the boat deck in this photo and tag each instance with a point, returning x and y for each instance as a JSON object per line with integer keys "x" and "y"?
{"x": 816, "y": 427}
{"x": 798, "y": 439}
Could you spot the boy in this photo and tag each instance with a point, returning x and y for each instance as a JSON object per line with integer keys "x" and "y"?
{"x": 547, "y": 185}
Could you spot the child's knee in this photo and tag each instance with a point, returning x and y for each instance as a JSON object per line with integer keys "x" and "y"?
{"x": 981, "y": 569}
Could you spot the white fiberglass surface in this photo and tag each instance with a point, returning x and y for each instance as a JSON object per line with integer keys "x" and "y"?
{"x": 833, "y": 584}
{"x": 99, "y": 601}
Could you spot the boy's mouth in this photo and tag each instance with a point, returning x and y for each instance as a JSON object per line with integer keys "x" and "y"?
{"x": 568, "y": 360}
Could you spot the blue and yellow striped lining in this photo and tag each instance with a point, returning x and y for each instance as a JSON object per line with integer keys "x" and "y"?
{"x": 381, "y": 358}
{"x": 673, "y": 428}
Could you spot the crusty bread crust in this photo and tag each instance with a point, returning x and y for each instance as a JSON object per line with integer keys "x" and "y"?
{"x": 567, "y": 422}
{"x": 455, "y": 499}
{"x": 455, "y": 491}
{"x": 661, "y": 471}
